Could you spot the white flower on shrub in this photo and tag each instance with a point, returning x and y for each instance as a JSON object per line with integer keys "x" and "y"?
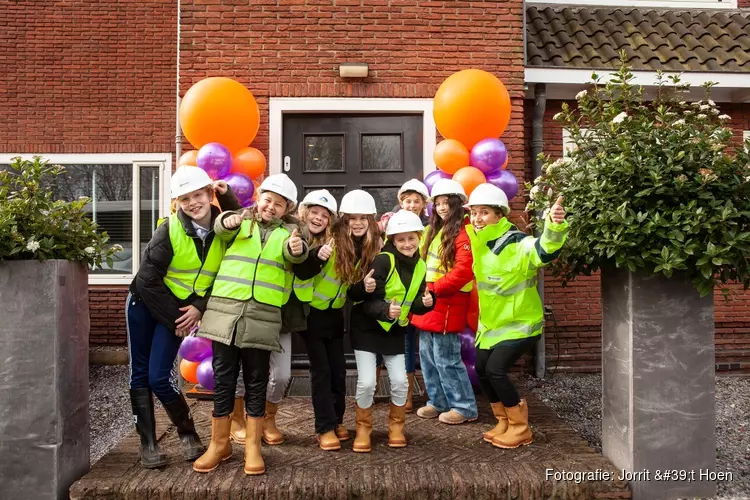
{"x": 620, "y": 118}
{"x": 534, "y": 191}
{"x": 550, "y": 193}
{"x": 705, "y": 107}
{"x": 725, "y": 117}
{"x": 701, "y": 116}
{"x": 89, "y": 250}
{"x": 32, "y": 245}
{"x": 687, "y": 113}
{"x": 679, "y": 123}
{"x": 581, "y": 94}
{"x": 538, "y": 180}
{"x": 711, "y": 103}
{"x": 558, "y": 116}
{"x": 117, "y": 248}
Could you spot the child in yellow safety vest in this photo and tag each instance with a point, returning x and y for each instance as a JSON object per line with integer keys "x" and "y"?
{"x": 243, "y": 317}
{"x": 393, "y": 287}
{"x": 167, "y": 299}
{"x": 511, "y": 315}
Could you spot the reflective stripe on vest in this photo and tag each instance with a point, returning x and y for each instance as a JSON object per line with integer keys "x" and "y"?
{"x": 186, "y": 274}
{"x": 395, "y": 290}
{"x": 327, "y": 288}
{"x": 252, "y": 270}
{"x": 433, "y": 262}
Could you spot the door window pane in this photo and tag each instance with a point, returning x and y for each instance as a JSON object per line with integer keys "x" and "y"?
{"x": 382, "y": 152}
{"x": 386, "y": 197}
{"x": 324, "y": 153}
{"x": 110, "y": 188}
{"x": 149, "y": 191}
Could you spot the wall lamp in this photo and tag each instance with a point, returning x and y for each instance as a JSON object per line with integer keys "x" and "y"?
{"x": 353, "y": 70}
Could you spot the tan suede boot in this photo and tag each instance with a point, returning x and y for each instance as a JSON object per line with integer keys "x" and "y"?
{"x": 271, "y": 435}
{"x": 396, "y": 421}
{"x": 502, "y": 422}
{"x": 237, "y": 431}
{"x": 254, "y": 465}
{"x": 409, "y": 393}
{"x": 329, "y": 441}
{"x": 219, "y": 449}
{"x": 342, "y": 433}
{"x": 363, "y": 420}
{"x": 518, "y": 432}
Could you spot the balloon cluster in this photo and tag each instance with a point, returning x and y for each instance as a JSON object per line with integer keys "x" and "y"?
{"x": 197, "y": 361}
{"x": 220, "y": 118}
{"x": 469, "y": 354}
{"x": 471, "y": 110}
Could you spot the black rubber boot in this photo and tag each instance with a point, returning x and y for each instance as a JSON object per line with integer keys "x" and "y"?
{"x": 145, "y": 424}
{"x": 179, "y": 414}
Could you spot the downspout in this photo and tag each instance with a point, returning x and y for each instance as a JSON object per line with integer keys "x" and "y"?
{"x": 537, "y": 146}
{"x": 178, "y": 130}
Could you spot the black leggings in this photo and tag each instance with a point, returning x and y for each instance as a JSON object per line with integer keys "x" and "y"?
{"x": 492, "y": 366}
{"x": 255, "y": 366}
{"x": 328, "y": 380}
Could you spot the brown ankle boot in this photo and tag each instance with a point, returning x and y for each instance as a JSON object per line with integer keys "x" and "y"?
{"x": 342, "y": 433}
{"x": 364, "y": 429}
{"x": 271, "y": 434}
{"x": 396, "y": 420}
{"x": 219, "y": 449}
{"x": 237, "y": 431}
{"x": 409, "y": 393}
{"x": 254, "y": 465}
{"x": 502, "y": 422}
{"x": 518, "y": 432}
{"x": 329, "y": 441}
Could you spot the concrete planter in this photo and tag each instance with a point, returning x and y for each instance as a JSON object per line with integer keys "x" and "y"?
{"x": 658, "y": 408}
{"x": 44, "y": 378}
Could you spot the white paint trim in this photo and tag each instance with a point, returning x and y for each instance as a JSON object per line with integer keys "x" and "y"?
{"x": 280, "y": 105}
{"x": 659, "y": 4}
{"x": 647, "y": 78}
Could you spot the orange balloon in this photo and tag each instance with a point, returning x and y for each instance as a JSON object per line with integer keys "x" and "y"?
{"x": 469, "y": 178}
{"x": 188, "y": 158}
{"x": 471, "y": 105}
{"x": 450, "y": 155}
{"x": 219, "y": 110}
{"x": 189, "y": 370}
{"x": 249, "y": 161}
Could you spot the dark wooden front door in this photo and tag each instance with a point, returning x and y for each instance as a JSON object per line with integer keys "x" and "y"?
{"x": 377, "y": 153}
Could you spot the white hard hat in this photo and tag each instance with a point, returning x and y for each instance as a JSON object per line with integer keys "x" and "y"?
{"x": 414, "y": 185}
{"x": 187, "y": 179}
{"x": 358, "y": 202}
{"x": 490, "y": 195}
{"x": 320, "y": 197}
{"x": 444, "y": 187}
{"x": 281, "y": 185}
{"x": 404, "y": 221}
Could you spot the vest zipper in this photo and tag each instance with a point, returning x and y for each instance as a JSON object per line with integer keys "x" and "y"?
{"x": 203, "y": 257}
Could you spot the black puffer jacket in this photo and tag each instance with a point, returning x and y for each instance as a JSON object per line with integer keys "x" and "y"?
{"x": 148, "y": 284}
{"x": 367, "y": 334}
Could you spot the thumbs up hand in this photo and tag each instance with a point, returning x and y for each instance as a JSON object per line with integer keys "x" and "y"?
{"x": 557, "y": 213}
{"x": 326, "y": 251}
{"x": 427, "y": 298}
{"x": 394, "y": 310}
{"x": 295, "y": 243}
{"x": 235, "y": 220}
{"x": 220, "y": 187}
{"x": 370, "y": 282}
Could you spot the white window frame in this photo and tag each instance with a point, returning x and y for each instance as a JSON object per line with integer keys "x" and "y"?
{"x": 663, "y": 4}
{"x": 163, "y": 161}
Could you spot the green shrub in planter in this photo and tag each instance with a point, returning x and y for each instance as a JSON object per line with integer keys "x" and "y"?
{"x": 33, "y": 225}
{"x": 656, "y": 186}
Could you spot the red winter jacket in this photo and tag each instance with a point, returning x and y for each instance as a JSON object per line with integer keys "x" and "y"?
{"x": 452, "y": 305}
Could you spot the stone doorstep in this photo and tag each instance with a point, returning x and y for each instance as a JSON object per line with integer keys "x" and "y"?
{"x": 440, "y": 461}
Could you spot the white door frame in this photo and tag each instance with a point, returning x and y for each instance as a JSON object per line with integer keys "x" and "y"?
{"x": 339, "y": 105}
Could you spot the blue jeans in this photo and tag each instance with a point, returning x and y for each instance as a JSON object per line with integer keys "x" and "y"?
{"x": 410, "y": 350}
{"x": 153, "y": 350}
{"x": 445, "y": 376}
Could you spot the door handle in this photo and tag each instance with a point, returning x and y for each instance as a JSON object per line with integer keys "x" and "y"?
{"x": 287, "y": 163}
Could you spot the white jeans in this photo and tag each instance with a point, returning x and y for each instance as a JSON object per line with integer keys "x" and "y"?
{"x": 279, "y": 374}
{"x": 367, "y": 373}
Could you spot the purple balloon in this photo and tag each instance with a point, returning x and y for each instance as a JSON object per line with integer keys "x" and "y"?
{"x": 195, "y": 348}
{"x": 431, "y": 178}
{"x": 506, "y": 181}
{"x": 205, "y": 373}
{"x": 488, "y": 155}
{"x": 242, "y": 187}
{"x": 473, "y": 377}
{"x": 215, "y": 159}
{"x": 468, "y": 351}
{"x": 430, "y": 206}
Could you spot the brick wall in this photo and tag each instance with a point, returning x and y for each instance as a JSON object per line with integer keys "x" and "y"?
{"x": 743, "y": 4}
{"x": 574, "y": 329}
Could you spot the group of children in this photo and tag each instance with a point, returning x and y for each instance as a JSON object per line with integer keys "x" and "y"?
{"x": 250, "y": 277}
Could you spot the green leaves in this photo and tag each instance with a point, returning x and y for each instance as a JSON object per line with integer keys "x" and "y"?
{"x": 662, "y": 189}
{"x": 35, "y": 226}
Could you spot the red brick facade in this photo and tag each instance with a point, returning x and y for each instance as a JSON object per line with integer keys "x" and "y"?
{"x": 93, "y": 77}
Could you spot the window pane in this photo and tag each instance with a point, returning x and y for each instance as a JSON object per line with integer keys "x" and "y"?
{"x": 324, "y": 153}
{"x": 110, "y": 188}
{"x": 386, "y": 197}
{"x": 381, "y": 152}
{"x": 149, "y": 191}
